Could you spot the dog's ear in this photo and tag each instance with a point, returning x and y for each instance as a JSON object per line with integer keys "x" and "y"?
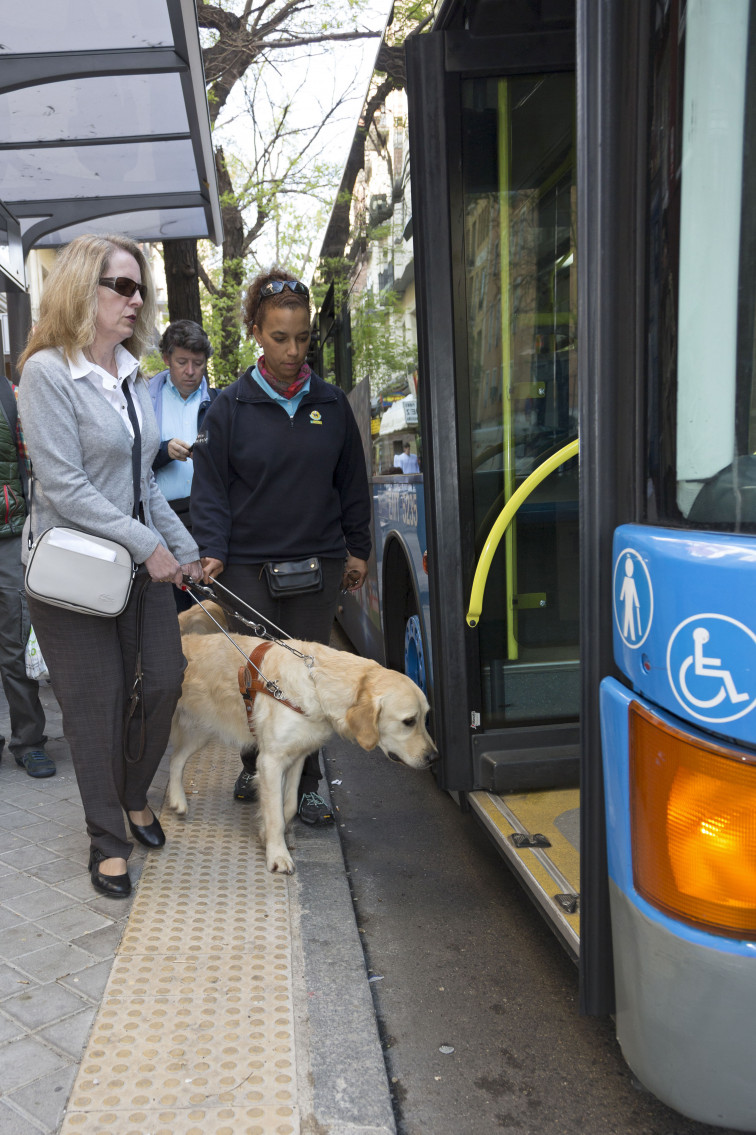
{"x": 362, "y": 716}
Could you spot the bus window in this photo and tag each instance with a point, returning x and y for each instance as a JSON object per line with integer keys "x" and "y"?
{"x": 703, "y": 201}
{"x": 521, "y": 394}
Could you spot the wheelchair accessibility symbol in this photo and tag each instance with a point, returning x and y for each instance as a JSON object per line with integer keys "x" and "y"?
{"x": 633, "y": 598}
{"x": 711, "y": 666}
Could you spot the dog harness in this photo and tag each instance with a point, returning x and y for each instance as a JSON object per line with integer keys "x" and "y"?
{"x": 250, "y": 686}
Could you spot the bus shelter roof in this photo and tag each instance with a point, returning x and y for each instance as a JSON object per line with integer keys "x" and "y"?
{"x": 104, "y": 125}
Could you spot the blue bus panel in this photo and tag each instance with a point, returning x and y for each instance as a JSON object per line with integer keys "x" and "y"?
{"x": 685, "y": 624}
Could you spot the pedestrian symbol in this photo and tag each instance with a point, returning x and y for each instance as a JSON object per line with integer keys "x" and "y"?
{"x": 633, "y": 598}
{"x": 711, "y": 665}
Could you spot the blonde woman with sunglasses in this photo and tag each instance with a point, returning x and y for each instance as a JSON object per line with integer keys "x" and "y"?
{"x": 280, "y": 476}
{"x": 92, "y": 436}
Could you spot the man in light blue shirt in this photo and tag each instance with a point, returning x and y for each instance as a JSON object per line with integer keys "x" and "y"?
{"x": 407, "y": 461}
{"x": 180, "y": 397}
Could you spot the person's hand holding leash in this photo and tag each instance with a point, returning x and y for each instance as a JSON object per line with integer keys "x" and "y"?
{"x": 194, "y": 571}
{"x": 162, "y": 566}
{"x": 355, "y": 574}
{"x": 211, "y": 567}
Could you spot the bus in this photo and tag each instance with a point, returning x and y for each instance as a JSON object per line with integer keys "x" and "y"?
{"x": 583, "y": 181}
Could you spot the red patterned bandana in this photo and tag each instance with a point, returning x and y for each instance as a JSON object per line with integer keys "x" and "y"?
{"x": 286, "y": 389}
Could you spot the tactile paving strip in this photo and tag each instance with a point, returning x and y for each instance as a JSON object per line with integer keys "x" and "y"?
{"x": 195, "y": 1033}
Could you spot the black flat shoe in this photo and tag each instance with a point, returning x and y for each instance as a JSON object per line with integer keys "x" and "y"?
{"x": 114, "y": 886}
{"x": 150, "y": 835}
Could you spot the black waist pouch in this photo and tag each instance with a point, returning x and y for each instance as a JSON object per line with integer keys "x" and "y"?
{"x": 293, "y": 577}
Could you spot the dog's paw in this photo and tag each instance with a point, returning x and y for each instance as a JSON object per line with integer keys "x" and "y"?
{"x": 177, "y": 802}
{"x": 280, "y": 863}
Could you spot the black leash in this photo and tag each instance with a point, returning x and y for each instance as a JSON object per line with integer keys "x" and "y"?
{"x": 137, "y": 699}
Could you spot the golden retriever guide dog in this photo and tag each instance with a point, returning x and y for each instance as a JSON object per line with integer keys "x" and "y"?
{"x": 341, "y": 693}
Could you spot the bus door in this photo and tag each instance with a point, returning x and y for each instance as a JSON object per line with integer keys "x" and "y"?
{"x": 517, "y": 403}
{"x": 492, "y": 137}
{"x": 498, "y": 348}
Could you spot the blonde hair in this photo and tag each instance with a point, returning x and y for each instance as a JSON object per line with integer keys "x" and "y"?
{"x": 68, "y": 311}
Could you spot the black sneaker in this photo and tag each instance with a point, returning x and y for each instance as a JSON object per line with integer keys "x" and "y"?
{"x": 245, "y": 788}
{"x": 314, "y": 810}
{"x": 37, "y": 763}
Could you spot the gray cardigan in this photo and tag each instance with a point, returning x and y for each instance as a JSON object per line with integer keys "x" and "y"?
{"x": 80, "y": 451}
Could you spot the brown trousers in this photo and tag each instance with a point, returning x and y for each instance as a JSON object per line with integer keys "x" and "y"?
{"x": 92, "y": 661}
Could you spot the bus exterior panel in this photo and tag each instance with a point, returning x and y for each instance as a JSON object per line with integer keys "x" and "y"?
{"x": 686, "y": 999}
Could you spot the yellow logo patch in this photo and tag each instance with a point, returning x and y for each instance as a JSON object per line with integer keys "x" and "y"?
{"x": 315, "y": 418}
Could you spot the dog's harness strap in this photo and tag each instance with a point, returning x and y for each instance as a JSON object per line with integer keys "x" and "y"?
{"x": 250, "y": 686}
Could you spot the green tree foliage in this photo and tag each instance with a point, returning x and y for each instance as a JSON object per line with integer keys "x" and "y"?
{"x": 275, "y": 181}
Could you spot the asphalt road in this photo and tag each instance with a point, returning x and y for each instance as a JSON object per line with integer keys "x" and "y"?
{"x": 476, "y": 1000}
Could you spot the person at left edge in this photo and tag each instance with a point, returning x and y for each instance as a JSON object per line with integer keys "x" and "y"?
{"x": 85, "y": 410}
{"x": 180, "y": 397}
{"x": 22, "y": 693}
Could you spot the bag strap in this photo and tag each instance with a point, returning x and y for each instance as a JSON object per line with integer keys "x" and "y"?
{"x": 136, "y": 448}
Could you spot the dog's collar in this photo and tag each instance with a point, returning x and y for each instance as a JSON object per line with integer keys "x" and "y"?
{"x": 250, "y": 685}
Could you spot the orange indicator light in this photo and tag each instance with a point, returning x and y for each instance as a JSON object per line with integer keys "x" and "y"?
{"x": 693, "y": 826}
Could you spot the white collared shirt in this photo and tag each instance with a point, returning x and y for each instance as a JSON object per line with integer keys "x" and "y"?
{"x": 110, "y": 386}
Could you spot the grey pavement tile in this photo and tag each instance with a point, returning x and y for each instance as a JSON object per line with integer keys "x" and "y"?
{"x": 79, "y": 888}
{"x": 25, "y": 1060}
{"x": 11, "y": 842}
{"x": 11, "y": 1123}
{"x": 17, "y": 883}
{"x": 42, "y": 1005}
{"x": 22, "y": 940}
{"x": 71, "y": 1035}
{"x": 9, "y": 1029}
{"x": 28, "y": 796}
{"x": 54, "y": 962}
{"x": 11, "y": 980}
{"x": 39, "y": 904}
{"x": 46, "y": 1098}
{"x": 59, "y": 871}
{"x": 112, "y": 908}
{"x": 14, "y": 818}
{"x": 103, "y": 943}
{"x": 90, "y": 982}
{"x": 8, "y": 918}
{"x": 75, "y": 923}
{"x": 27, "y": 856}
{"x": 41, "y": 829}
{"x": 73, "y": 844}
{"x": 64, "y": 811}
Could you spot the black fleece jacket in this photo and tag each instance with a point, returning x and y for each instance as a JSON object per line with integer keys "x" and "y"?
{"x": 270, "y": 487}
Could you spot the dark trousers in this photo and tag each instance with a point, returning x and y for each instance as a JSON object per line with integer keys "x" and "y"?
{"x": 26, "y": 713}
{"x": 307, "y": 617}
{"x": 92, "y": 662}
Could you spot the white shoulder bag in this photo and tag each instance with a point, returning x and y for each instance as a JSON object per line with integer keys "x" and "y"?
{"x": 80, "y": 572}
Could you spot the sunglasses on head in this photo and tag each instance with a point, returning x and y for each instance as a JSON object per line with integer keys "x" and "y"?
{"x": 124, "y": 286}
{"x": 274, "y": 287}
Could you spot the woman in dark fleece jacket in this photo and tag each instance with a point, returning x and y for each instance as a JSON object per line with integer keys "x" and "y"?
{"x": 280, "y": 475}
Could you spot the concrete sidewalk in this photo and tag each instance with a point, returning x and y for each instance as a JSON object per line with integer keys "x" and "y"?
{"x": 218, "y": 998}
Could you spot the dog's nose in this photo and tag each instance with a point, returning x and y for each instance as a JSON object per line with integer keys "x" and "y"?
{"x": 433, "y": 757}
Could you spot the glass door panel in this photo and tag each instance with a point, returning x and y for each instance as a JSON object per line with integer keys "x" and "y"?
{"x": 520, "y": 209}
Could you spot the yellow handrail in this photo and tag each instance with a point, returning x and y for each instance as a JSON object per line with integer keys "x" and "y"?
{"x": 503, "y": 521}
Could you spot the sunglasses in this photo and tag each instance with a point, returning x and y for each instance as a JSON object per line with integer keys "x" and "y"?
{"x": 124, "y": 286}
{"x": 274, "y": 287}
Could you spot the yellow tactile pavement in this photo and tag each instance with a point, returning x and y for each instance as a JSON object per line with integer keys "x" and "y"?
{"x": 196, "y": 1033}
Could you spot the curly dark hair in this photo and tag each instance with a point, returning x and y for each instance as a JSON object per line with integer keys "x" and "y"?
{"x": 254, "y": 306}
{"x": 187, "y": 334}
